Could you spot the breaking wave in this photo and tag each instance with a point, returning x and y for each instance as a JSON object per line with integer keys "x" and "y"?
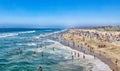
{"x": 3, "y": 35}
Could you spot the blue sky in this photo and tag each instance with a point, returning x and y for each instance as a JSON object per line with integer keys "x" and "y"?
{"x": 48, "y": 13}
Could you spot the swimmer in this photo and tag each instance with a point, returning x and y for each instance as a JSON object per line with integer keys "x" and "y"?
{"x": 40, "y": 68}
{"x": 33, "y": 53}
{"x": 42, "y": 54}
{"x": 18, "y": 48}
{"x": 72, "y": 57}
{"x": 53, "y": 48}
{"x": 19, "y": 51}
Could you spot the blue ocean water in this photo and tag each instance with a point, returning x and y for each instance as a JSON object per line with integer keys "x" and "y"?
{"x": 21, "y": 50}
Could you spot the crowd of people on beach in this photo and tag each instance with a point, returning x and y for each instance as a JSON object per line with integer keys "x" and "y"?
{"x": 78, "y": 36}
{"x": 100, "y": 36}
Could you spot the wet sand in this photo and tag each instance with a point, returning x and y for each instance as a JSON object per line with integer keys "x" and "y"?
{"x": 101, "y": 57}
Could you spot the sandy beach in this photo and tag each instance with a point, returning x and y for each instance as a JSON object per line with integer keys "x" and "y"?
{"x": 97, "y": 64}
{"x": 104, "y": 45}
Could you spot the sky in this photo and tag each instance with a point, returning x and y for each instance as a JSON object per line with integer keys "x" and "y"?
{"x": 59, "y": 13}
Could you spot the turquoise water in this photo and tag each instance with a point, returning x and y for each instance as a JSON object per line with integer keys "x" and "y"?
{"x": 13, "y": 41}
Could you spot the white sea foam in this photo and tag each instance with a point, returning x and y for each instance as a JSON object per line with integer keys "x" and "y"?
{"x": 64, "y": 51}
{"x": 3, "y": 35}
{"x": 101, "y": 66}
{"x": 48, "y": 34}
{"x": 98, "y": 64}
{"x": 7, "y": 35}
{"x": 26, "y": 32}
{"x": 31, "y": 44}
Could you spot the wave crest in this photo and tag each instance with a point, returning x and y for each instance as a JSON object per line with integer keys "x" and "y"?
{"x": 3, "y": 35}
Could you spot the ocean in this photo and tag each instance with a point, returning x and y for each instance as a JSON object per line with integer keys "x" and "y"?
{"x": 28, "y": 49}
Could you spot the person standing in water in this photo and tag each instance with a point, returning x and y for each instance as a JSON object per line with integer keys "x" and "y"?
{"x": 33, "y": 53}
{"x": 83, "y": 56}
{"x": 78, "y": 55}
{"x": 72, "y": 57}
{"x": 75, "y": 53}
{"x": 40, "y": 68}
{"x": 42, "y": 54}
{"x": 19, "y": 51}
{"x": 53, "y": 48}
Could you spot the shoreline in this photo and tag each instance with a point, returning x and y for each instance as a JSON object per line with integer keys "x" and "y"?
{"x": 88, "y": 56}
{"x": 103, "y": 58}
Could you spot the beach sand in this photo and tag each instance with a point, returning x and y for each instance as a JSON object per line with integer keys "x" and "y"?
{"x": 97, "y": 63}
{"x": 109, "y": 54}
